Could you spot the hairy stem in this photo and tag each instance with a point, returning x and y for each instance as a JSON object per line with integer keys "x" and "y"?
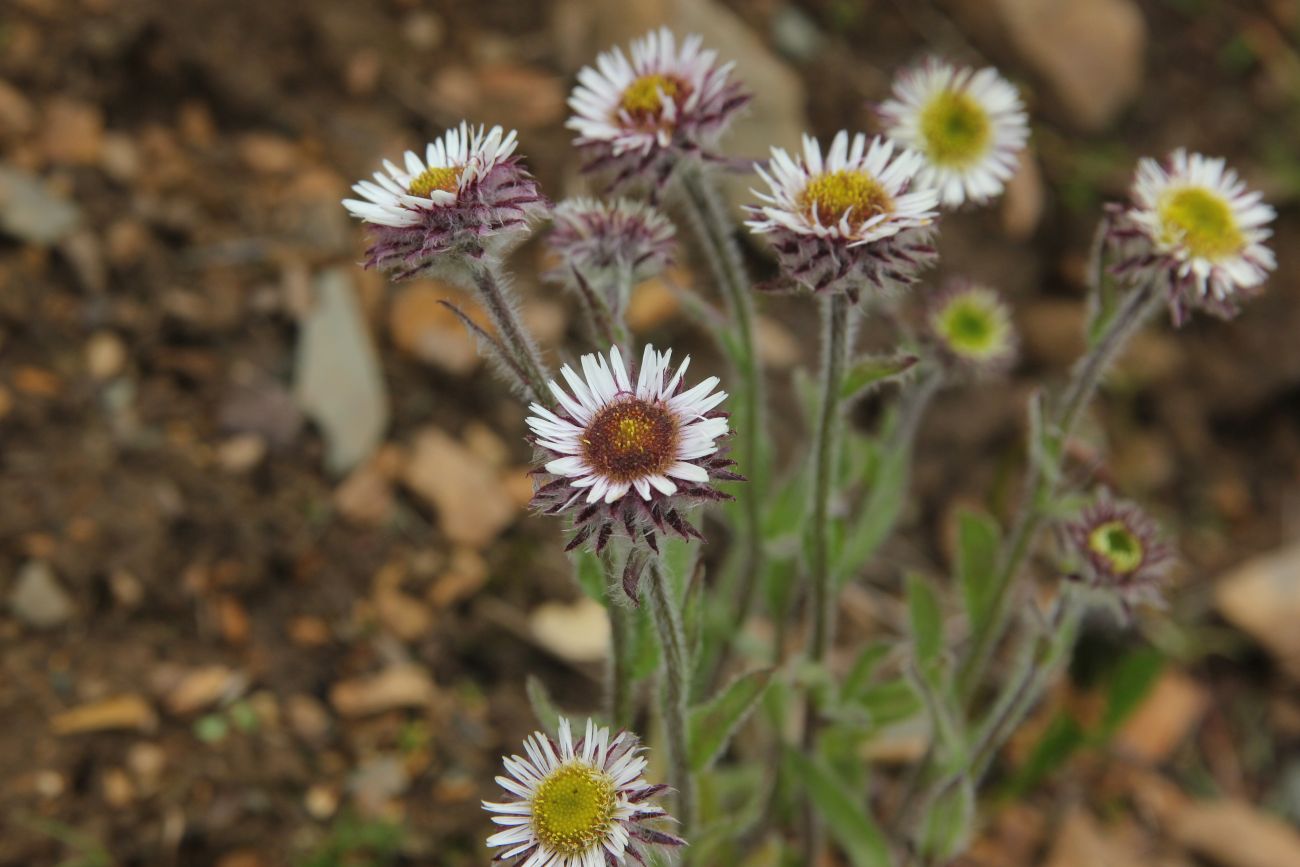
{"x": 513, "y": 336}
{"x": 1041, "y": 475}
{"x": 712, "y": 227}
{"x": 618, "y": 685}
{"x": 821, "y": 579}
{"x": 672, "y": 641}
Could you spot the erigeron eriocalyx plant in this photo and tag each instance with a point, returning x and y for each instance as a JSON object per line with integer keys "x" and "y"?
{"x": 641, "y": 459}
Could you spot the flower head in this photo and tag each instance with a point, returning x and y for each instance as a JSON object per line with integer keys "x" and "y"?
{"x": 1197, "y": 231}
{"x": 969, "y": 126}
{"x": 972, "y": 326}
{"x": 630, "y": 454}
{"x": 468, "y": 196}
{"x": 855, "y": 218}
{"x": 1121, "y": 549}
{"x": 577, "y": 804}
{"x": 600, "y": 240}
{"x": 638, "y": 117}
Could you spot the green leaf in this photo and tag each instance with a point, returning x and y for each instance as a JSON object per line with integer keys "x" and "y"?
{"x": 978, "y": 540}
{"x": 1130, "y": 683}
{"x": 889, "y": 702}
{"x": 926, "y": 620}
{"x": 872, "y": 370}
{"x": 879, "y": 512}
{"x": 946, "y": 828}
{"x": 712, "y": 725}
{"x": 864, "y": 667}
{"x": 591, "y": 575}
{"x": 645, "y": 646}
{"x": 846, "y": 817}
{"x": 543, "y": 705}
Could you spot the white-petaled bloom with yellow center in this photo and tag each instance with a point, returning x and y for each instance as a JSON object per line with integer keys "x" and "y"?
{"x": 469, "y": 194}
{"x": 855, "y": 218}
{"x": 638, "y": 116}
{"x": 969, "y": 126}
{"x": 577, "y": 804}
{"x": 1197, "y": 231}
{"x": 971, "y": 325}
{"x": 630, "y": 453}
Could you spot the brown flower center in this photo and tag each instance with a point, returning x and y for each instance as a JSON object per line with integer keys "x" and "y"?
{"x": 631, "y": 439}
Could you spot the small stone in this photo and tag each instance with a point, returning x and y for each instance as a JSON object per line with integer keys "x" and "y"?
{"x": 127, "y": 590}
{"x": 241, "y": 453}
{"x": 321, "y": 802}
{"x": 146, "y": 762}
{"x": 377, "y": 782}
{"x": 423, "y": 29}
{"x": 118, "y": 789}
{"x": 337, "y": 379}
{"x": 577, "y": 632}
{"x": 105, "y": 355}
{"x": 49, "y": 784}
{"x": 400, "y": 613}
{"x": 400, "y": 686}
{"x": 233, "y": 621}
{"x": 130, "y": 712}
{"x": 37, "y": 599}
{"x": 366, "y": 496}
{"x": 465, "y": 575}
{"x": 308, "y": 631}
{"x": 31, "y": 211}
{"x": 73, "y": 132}
{"x": 268, "y": 154}
{"x": 16, "y": 114}
{"x": 119, "y": 157}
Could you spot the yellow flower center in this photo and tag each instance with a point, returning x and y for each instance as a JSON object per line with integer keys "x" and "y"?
{"x": 573, "y": 809}
{"x": 1202, "y": 221}
{"x": 828, "y": 198}
{"x": 973, "y": 325}
{"x": 1120, "y": 547}
{"x": 642, "y": 97}
{"x": 445, "y": 178}
{"x": 955, "y": 129}
{"x": 631, "y": 439}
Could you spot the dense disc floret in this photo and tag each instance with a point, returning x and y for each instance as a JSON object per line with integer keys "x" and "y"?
{"x": 972, "y": 328}
{"x": 630, "y": 454}
{"x": 577, "y": 804}
{"x": 853, "y": 219}
{"x": 468, "y": 196}
{"x": 969, "y": 126}
{"x": 1196, "y": 232}
{"x": 637, "y": 117}
{"x": 616, "y": 239}
{"x": 1121, "y": 549}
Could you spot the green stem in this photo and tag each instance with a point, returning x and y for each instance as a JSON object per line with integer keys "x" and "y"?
{"x": 672, "y": 641}
{"x": 821, "y": 579}
{"x": 1041, "y": 476}
{"x": 712, "y": 227}
{"x": 513, "y": 336}
{"x": 618, "y": 687}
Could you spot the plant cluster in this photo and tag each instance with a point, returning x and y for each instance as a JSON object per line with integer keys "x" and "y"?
{"x": 632, "y": 449}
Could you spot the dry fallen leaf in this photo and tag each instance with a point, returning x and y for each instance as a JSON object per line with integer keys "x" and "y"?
{"x": 120, "y": 712}
{"x": 1081, "y": 843}
{"x": 200, "y": 688}
{"x": 1235, "y": 834}
{"x": 1262, "y": 597}
{"x": 1168, "y": 713}
{"x": 473, "y": 505}
{"x": 577, "y": 632}
{"x": 400, "y": 686}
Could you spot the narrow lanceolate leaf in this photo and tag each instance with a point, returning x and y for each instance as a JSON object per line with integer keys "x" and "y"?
{"x": 946, "y": 829}
{"x": 926, "y": 620}
{"x": 874, "y": 370}
{"x": 876, "y": 519}
{"x": 978, "y": 538}
{"x": 713, "y": 724}
{"x": 850, "y": 824}
{"x": 543, "y": 705}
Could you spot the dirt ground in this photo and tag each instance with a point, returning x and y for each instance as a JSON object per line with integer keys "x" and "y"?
{"x": 229, "y": 655}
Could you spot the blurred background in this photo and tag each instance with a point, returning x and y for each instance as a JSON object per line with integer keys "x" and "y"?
{"x": 268, "y": 585}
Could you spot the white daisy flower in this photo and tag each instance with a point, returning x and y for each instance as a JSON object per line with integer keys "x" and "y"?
{"x": 1196, "y": 229}
{"x": 469, "y": 194}
{"x": 668, "y": 101}
{"x": 854, "y": 218}
{"x": 630, "y": 452}
{"x": 969, "y": 126}
{"x": 577, "y": 804}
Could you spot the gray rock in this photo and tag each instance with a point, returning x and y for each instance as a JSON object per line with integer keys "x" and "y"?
{"x": 37, "y": 599}
{"x": 337, "y": 379}
{"x": 31, "y": 211}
